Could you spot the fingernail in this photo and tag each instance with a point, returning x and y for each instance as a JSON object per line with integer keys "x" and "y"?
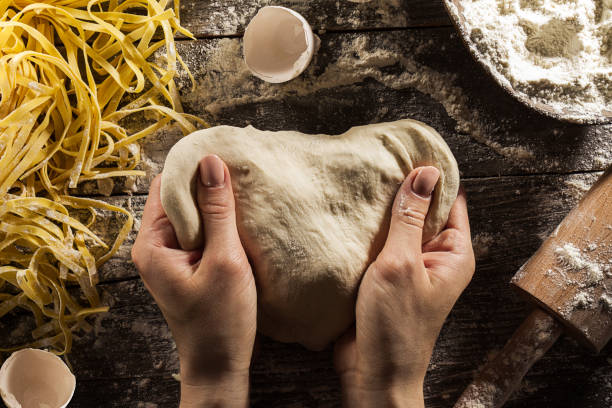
{"x": 425, "y": 181}
{"x": 212, "y": 173}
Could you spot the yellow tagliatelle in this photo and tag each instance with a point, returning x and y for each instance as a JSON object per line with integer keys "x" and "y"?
{"x": 65, "y": 67}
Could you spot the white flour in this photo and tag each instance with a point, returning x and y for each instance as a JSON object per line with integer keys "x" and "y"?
{"x": 592, "y": 292}
{"x": 606, "y": 301}
{"x": 228, "y": 83}
{"x": 572, "y": 259}
{"x": 557, "y": 52}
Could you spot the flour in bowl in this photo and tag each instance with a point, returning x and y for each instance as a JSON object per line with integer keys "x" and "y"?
{"x": 556, "y": 52}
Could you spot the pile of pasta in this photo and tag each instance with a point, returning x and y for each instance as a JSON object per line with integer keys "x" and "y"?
{"x": 66, "y": 68}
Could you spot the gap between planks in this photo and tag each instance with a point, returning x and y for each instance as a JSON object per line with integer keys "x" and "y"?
{"x": 471, "y": 178}
{"x": 321, "y": 32}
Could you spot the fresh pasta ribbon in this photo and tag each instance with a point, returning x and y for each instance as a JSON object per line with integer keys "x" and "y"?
{"x": 66, "y": 66}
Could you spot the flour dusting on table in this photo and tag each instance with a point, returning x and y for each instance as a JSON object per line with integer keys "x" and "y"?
{"x": 223, "y": 82}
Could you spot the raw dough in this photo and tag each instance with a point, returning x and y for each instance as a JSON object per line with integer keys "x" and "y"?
{"x": 313, "y": 212}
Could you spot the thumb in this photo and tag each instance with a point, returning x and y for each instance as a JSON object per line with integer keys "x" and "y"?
{"x": 409, "y": 211}
{"x": 216, "y": 203}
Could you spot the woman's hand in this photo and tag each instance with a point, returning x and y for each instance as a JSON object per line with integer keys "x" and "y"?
{"x": 403, "y": 300}
{"x": 208, "y": 297}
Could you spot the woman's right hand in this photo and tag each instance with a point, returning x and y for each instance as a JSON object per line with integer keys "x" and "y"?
{"x": 403, "y": 300}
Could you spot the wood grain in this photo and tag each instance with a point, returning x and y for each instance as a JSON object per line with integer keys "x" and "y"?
{"x": 129, "y": 358}
{"x": 523, "y": 173}
{"x": 229, "y": 18}
{"x": 362, "y": 78}
{"x": 502, "y": 375}
{"x": 510, "y": 217}
{"x": 576, "y": 291}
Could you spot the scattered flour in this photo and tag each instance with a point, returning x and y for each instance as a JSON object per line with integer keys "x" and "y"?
{"x": 605, "y": 301}
{"x": 583, "y": 300}
{"x": 573, "y": 260}
{"x": 146, "y": 405}
{"x": 591, "y": 247}
{"x": 221, "y": 19}
{"x": 144, "y": 382}
{"x": 388, "y": 13}
{"x": 482, "y": 243}
{"x": 152, "y": 331}
{"x": 579, "y": 183}
{"x": 592, "y": 293}
{"x": 556, "y": 52}
{"x": 223, "y": 81}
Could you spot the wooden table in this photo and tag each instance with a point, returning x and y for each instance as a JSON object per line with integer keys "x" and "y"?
{"x": 379, "y": 61}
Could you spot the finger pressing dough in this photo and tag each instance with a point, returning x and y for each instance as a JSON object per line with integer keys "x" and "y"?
{"x": 312, "y": 211}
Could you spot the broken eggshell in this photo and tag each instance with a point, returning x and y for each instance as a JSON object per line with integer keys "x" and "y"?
{"x": 278, "y": 44}
{"x": 32, "y": 378}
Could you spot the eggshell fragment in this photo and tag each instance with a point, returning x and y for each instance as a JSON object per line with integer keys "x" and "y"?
{"x": 33, "y": 378}
{"x": 278, "y": 44}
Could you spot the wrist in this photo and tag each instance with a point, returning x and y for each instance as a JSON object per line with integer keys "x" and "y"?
{"x": 400, "y": 395}
{"x": 366, "y": 391}
{"x": 206, "y": 388}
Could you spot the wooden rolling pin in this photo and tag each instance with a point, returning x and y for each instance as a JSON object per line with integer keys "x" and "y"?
{"x": 566, "y": 279}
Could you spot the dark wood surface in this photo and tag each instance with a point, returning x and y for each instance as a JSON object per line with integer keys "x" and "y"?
{"x": 379, "y": 61}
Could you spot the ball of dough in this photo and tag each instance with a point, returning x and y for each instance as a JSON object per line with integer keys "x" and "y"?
{"x": 312, "y": 211}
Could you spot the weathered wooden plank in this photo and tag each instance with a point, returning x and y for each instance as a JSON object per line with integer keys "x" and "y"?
{"x": 129, "y": 358}
{"x": 135, "y": 332}
{"x": 225, "y": 17}
{"x": 510, "y": 216}
{"x": 361, "y": 78}
{"x": 481, "y": 322}
{"x": 139, "y": 392}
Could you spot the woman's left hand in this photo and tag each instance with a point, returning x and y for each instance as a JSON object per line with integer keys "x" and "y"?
{"x": 208, "y": 296}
